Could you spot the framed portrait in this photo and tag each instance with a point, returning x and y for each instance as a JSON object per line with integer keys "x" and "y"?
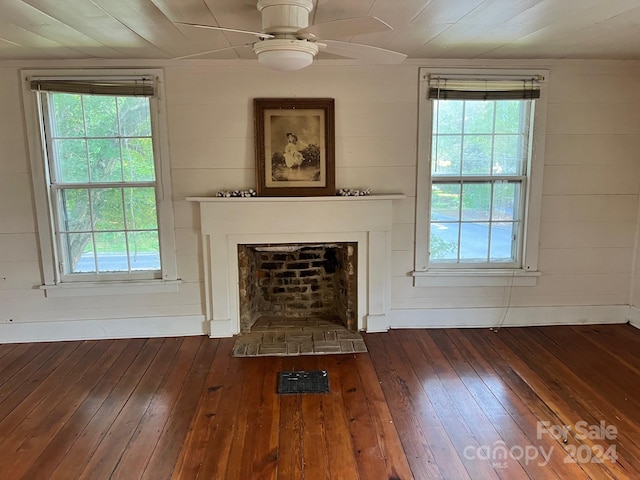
{"x": 295, "y": 144}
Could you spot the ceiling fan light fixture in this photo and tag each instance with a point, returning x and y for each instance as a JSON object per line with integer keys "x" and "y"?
{"x": 285, "y": 55}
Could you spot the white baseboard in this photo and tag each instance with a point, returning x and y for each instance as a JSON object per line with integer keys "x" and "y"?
{"x": 178, "y": 326}
{"x": 634, "y": 316}
{"x": 514, "y": 317}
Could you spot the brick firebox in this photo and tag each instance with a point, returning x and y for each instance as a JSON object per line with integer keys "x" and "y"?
{"x": 297, "y": 281}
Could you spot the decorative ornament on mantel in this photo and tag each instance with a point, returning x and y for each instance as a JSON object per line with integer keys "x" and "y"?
{"x": 343, "y": 192}
{"x": 353, "y": 192}
{"x": 237, "y": 193}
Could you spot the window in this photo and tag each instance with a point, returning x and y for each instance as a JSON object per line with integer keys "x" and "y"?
{"x": 104, "y": 198}
{"x": 479, "y": 201}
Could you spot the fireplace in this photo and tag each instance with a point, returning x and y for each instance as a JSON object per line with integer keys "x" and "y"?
{"x": 362, "y": 222}
{"x": 303, "y": 280}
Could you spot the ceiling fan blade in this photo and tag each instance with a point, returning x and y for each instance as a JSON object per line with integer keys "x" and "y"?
{"x": 347, "y": 27}
{"x": 225, "y": 29}
{"x": 365, "y": 53}
{"x": 212, "y": 51}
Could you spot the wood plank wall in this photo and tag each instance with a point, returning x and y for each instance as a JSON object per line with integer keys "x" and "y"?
{"x": 589, "y": 206}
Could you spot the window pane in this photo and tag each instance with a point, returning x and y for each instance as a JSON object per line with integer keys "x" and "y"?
{"x": 100, "y": 115}
{"x": 134, "y": 115}
{"x": 140, "y": 208}
{"x": 144, "y": 249}
{"x": 505, "y": 201}
{"x": 137, "y": 159}
{"x": 445, "y": 202}
{"x": 74, "y": 211}
{"x": 478, "y": 116}
{"x": 474, "y": 242}
{"x": 476, "y": 155}
{"x": 503, "y": 246}
{"x": 67, "y": 115}
{"x": 78, "y": 254}
{"x": 71, "y": 156}
{"x": 508, "y": 155}
{"x": 447, "y": 116}
{"x": 104, "y": 160}
{"x": 476, "y": 201}
{"x": 443, "y": 244}
{"x": 111, "y": 251}
{"x": 107, "y": 207}
{"x": 508, "y": 114}
{"x": 446, "y": 152}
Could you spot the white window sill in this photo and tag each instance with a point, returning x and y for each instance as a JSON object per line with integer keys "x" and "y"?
{"x": 475, "y": 278}
{"x": 89, "y": 289}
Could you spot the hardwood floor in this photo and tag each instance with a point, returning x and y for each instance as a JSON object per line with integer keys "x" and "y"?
{"x": 457, "y": 396}
{"x": 421, "y": 404}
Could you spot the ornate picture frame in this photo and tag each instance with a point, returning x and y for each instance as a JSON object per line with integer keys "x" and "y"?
{"x": 295, "y": 146}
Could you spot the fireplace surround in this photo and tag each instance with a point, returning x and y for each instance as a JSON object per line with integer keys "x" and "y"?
{"x": 227, "y": 223}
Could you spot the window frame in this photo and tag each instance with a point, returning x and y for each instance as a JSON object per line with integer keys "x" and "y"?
{"x": 55, "y": 282}
{"x": 470, "y": 274}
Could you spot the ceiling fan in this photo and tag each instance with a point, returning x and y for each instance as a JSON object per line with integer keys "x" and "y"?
{"x": 287, "y": 41}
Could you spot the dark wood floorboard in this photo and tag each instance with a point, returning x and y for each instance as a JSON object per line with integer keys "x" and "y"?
{"x": 519, "y": 403}
{"x": 179, "y": 421}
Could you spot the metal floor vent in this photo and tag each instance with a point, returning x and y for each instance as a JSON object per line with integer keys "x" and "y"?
{"x": 316, "y": 381}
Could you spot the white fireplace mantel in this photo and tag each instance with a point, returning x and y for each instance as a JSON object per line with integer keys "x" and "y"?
{"x": 232, "y": 221}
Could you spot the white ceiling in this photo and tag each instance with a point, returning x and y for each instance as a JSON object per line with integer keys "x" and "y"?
{"x": 129, "y": 29}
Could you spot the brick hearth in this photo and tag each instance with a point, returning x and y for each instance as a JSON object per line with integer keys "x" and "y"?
{"x": 278, "y": 336}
